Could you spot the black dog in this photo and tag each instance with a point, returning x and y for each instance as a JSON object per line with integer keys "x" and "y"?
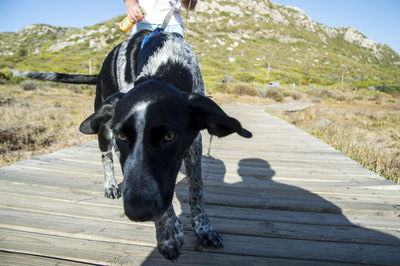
{"x": 150, "y": 106}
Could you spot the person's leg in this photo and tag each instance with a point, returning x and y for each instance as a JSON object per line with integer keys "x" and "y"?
{"x": 143, "y": 26}
{"x": 178, "y": 28}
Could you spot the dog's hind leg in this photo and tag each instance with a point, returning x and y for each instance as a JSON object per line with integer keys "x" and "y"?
{"x": 111, "y": 189}
{"x": 204, "y": 231}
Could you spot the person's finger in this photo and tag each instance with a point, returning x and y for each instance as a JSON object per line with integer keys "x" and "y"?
{"x": 140, "y": 15}
{"x": 131, "y": 15}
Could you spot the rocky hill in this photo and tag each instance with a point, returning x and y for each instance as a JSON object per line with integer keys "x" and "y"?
{"x": 250, "y": 41}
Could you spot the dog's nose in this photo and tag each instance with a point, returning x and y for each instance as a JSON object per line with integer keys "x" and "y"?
{"x": 141, "y": 207}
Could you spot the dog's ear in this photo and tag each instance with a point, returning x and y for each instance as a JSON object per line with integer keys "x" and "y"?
{"x": 104, "y": 112}
{"x": 208, "y": 115}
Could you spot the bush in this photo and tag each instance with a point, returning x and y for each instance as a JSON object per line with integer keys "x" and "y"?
{"x": 376, "y": 97}
{"x": 272, "y": 93}
{"x": 244, "y": 90}
{"x": 30, "y": 85}
{"x": 393, "y": 90}
{"x": 245, "y": 77}
{"x": 5, "y": 74}
{"x": 22, "y": 52}
{"x": 296, "y": 96}
{"x": 340, "y": 98}
{"x": 7, "y": 77}
{"x": 322, "y": 93}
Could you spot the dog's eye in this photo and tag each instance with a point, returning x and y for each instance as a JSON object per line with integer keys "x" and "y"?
{"x": 122, "y": 137}
{"x": 169, "y": 136}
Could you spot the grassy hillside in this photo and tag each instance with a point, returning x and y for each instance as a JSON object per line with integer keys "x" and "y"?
{"x": 298, "y": 50}
{"x": 233, "y": 40}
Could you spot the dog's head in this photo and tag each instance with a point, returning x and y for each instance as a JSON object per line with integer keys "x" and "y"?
{"x": 154, "y": 125}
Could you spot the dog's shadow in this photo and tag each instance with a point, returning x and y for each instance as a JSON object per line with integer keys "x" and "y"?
{"x": 251, "y": 206}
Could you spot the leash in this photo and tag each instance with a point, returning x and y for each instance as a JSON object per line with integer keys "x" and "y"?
{"x": 187, "y": 13}
{"x": 209, "y": 146}
{"x": 168, "y": 17}
{"x": 163, "y": 26}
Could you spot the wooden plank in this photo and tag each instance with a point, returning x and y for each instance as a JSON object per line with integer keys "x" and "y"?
{"x": 229, "y": 196}
{"x": 20, "y": 173}
{"x": 219, "y": 167}
{"x": 297, "y": 163}
{"x": 255, "y": 246}
{"x": 112, "y": 209}
{"x": 71, "y": 223}
{"x": 287, "y": 180}
{"x": 383, "y": 190}
{"x": 358, "y": 170}
{"x": 305, "y": 202}
{"x": 100, "y": 252}
{"x": 223, "y": 144}
{"x": 74, "y": 180}
{"x": 260, "y": 167}
{"x": 21, "y": 259}
{"x": 66, "y": 248}
{"x": 252, "y": 164}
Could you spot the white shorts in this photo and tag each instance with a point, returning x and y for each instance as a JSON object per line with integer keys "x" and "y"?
{"x": 178, "y": 28}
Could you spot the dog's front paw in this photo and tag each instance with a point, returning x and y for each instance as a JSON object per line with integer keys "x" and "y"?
{"x": 207, "y": 236}
{"x": 169, "y": 233}
{"x": 171, "y": 248}
{"x": 205, "y": 233}
{"x": 112, "y": 192}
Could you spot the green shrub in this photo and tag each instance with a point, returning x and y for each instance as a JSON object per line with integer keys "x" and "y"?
{"x": 245, "y": 77}
{"x": 393, "y": 90}
{"x": 7, "y": 77}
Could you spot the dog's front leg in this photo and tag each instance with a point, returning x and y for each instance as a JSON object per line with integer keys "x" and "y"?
{"x": 111, "y": 189}
{"x": 204, "y": 231}
{"x": 169, "y": 233}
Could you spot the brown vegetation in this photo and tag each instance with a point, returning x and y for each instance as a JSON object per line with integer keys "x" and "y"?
{"x": 365, "y": 125}
{"x": 37, "y": 119}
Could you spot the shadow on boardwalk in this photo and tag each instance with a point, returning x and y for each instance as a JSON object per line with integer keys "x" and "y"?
{"x": 276, "y": 232}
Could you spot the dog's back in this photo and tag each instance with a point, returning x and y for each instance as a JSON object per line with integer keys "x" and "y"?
{"x": 119, "y": 69}
{"x": 165, "y": 56}
{"x": 168, "y": 57}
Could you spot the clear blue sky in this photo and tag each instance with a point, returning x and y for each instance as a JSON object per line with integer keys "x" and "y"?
{"x": 16, "y": 14}
{"x": 379, "y": 20}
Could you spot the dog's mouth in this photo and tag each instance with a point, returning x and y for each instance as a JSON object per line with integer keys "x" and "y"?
{"x": 145, "y": 218}
{"x": 149, "y": 211}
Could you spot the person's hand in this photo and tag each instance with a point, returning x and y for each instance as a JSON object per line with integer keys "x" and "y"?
{"x": 186, "y": 3}
{"x": 133, "y": 11}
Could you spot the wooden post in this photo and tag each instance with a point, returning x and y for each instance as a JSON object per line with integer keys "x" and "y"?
{"x": 90, "y": 66}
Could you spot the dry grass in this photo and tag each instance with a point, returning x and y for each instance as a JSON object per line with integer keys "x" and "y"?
{"x": 364, "y": 125}
{"x": 38, "y": 119}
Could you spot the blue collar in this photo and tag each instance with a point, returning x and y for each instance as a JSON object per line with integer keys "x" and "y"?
{"x": 146, "y": 39}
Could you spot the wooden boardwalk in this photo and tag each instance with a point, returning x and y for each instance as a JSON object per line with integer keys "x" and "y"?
{"x": 282, "y": 197}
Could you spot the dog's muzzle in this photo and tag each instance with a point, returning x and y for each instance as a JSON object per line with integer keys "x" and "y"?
{"x": 141, "y": 206}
